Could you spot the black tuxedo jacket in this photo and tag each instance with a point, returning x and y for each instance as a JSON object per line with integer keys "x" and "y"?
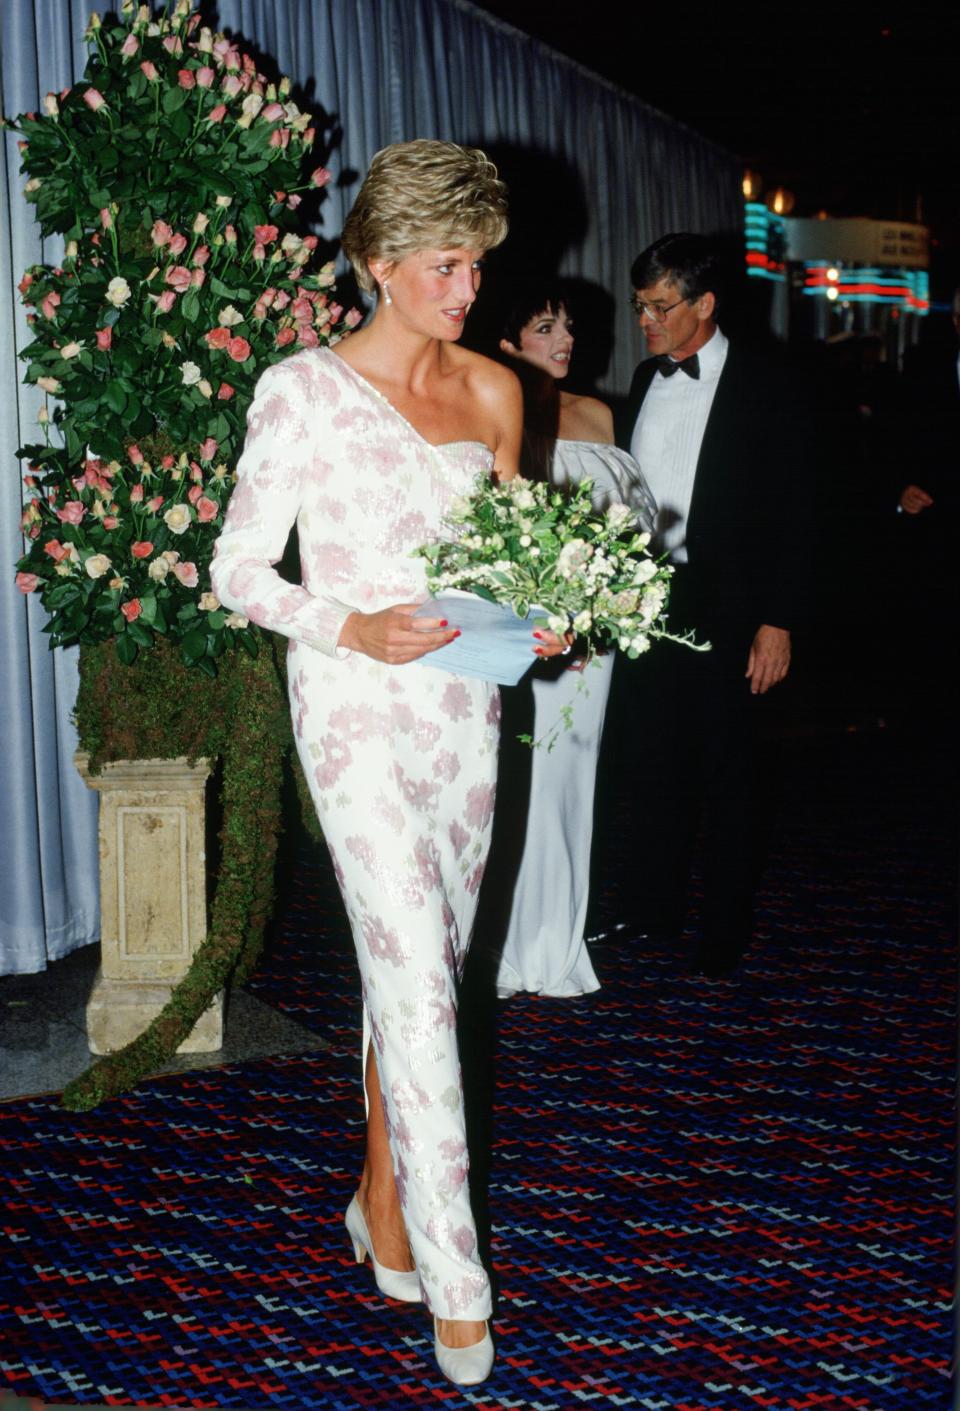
{"x": 748, "y": 545}
{"x": 930, "y": 427}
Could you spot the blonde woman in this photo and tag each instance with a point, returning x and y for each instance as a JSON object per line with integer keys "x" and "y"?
{"x": 363, "y": 446}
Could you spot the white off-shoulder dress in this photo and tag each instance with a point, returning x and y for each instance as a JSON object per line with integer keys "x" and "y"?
{"x": 401, "y": 760}
{"x": 544, "y": 951}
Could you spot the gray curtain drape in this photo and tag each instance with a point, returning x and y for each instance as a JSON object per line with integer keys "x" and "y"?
{"x": 594, "y": 173}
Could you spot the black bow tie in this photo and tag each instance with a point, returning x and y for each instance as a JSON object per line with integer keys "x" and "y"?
{"x": 691, "y": 366}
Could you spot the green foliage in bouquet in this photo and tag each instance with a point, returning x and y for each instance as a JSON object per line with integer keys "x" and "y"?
{"x": 172, "y": 171}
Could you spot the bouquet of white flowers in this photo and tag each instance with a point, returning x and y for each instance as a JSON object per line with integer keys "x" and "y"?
{"x": 529, "y": 546}
{"x": 535, "y": 549}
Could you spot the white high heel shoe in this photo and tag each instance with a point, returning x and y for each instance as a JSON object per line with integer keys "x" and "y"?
{"x": 393, "y": 1283}
{"x": 464, "y": 1365}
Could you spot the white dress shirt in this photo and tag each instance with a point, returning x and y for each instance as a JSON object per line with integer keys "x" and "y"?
{"x": 667, "y": 438}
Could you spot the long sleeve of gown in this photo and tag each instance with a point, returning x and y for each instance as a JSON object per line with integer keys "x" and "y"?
{"x": 281, "y": 451}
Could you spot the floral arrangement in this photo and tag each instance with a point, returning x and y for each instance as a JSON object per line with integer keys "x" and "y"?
{"x": 526, "y": 544}
{"x": 529, "y": 546}
{"x": 172, "y": 172}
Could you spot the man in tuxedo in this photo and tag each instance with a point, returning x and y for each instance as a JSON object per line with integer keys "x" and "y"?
{"x": 716, "y": 431}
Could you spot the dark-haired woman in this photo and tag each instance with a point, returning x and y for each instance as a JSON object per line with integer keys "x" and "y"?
{"x": 567, "y": 438}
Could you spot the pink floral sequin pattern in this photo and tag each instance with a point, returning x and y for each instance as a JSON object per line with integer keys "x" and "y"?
{"x": 401, "y": 761}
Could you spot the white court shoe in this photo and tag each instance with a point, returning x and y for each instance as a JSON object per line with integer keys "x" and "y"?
{"x": 393, "y": 1283}
{"x": 464, "y": 1365}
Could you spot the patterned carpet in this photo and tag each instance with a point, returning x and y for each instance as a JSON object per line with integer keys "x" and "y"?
{"x": 704, "y": 1196}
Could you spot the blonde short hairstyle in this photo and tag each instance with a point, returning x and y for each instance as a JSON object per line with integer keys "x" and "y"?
{"x": 424, "y": 195}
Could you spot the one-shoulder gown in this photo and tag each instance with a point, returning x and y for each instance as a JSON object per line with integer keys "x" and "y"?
{"x": 400, "y": 760}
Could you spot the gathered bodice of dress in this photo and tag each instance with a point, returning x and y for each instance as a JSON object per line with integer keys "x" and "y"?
{"x": 616, "y": 476}
{"x": 328, "y": 451}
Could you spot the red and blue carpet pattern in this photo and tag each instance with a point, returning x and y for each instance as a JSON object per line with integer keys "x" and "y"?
{"x": 704, "y": 1196}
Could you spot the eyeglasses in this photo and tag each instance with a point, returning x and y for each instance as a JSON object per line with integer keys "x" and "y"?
{"x": 658, "y": 312}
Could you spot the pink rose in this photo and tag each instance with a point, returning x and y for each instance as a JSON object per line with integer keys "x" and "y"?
{"x": 110, "y": 521}
{"x": 186, "y": 78}
{"x": 104, "y": 339}
{"x": 218, "y": 337}
{"x": 106, "y": 219}
{"x": 272, "y": 111}
{"x": 309, "y": 136}
{"x": 320, "y": 176}
{"x": 308, "y": 337}
{"x": 55, "y": 549}
{"x": 94, "y": 99}
{"x": 149, "y": 71}
{"x": 178, "y": 244}
{"x": 225, "y": 392}
{"x": 232, "y": 85}
{"x": 178, "y": 276}
{"x": 142, "y": 549}
{"x": 354, "y": 316}
{"x": 218, "y": 113}
{"x": 206, "y": 76}
{"x": 27, "y": 582}
{"x": 238, "y": 349}
{"x": 135, "y": 454}
{"x": 129, "y": 46}
{"x": 285, "y": 336}
{"x": 265, "y": 234}
{"x": 173, "y": 44}
{"x": 194, "y": 493}
{"x": 259, "y": 252}
{"x": 49, "y": 305}
{"x": 136, "y": 494}
{"x": 207, "y": 509}
{"x": 197, "y": 277}
{"x": 72, "y": 512}
{"x": 208, "y": 449}
{"x": 166, "y": 301}
{"x": 201, "y": 255}
{"x": 161, "y": 233}
{"x": 132, "y": 609}
{"x": 279, "y": 137}
{"x": 154, "y": 504}
{"x": 187, "y": 574}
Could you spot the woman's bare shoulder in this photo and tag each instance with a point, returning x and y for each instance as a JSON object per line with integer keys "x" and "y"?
{"x": 585, "y": 419}
{"x": 485, "y": 376}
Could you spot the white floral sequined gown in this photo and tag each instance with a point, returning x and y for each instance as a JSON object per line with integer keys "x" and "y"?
{"x": 544, "y": 951}
{"x": 401, "y": 761}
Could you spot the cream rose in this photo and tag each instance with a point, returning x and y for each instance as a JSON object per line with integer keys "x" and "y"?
{"x": 97, "y": 565}
{"x": 178, "y": 519}
{"x": 118, "y": 291}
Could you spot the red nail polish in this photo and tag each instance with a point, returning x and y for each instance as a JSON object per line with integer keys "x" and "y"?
{"x": 538, "y": 652}
{"x": 456, "y": 632}
{"x": 539, "y": 636}
{"x": 443, "y": 622}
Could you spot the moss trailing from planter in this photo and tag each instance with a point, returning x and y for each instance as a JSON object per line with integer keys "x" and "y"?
{"x": 158, "y": 708}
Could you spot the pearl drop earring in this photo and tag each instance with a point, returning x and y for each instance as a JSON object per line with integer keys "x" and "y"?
{"x": 386, "y": 293}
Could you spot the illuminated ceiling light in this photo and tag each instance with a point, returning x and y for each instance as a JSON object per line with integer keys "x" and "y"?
{"x": 752, "y": 185}
{"x": 833, "y": 274}
{"x": 781, "y": 201}
{"x": 832, "y": 292}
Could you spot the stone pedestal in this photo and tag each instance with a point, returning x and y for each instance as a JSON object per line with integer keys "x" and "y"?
{"x": 153, "y": 901}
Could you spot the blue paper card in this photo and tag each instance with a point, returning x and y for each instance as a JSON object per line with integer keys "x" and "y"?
{"x": 494, "y": 645}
